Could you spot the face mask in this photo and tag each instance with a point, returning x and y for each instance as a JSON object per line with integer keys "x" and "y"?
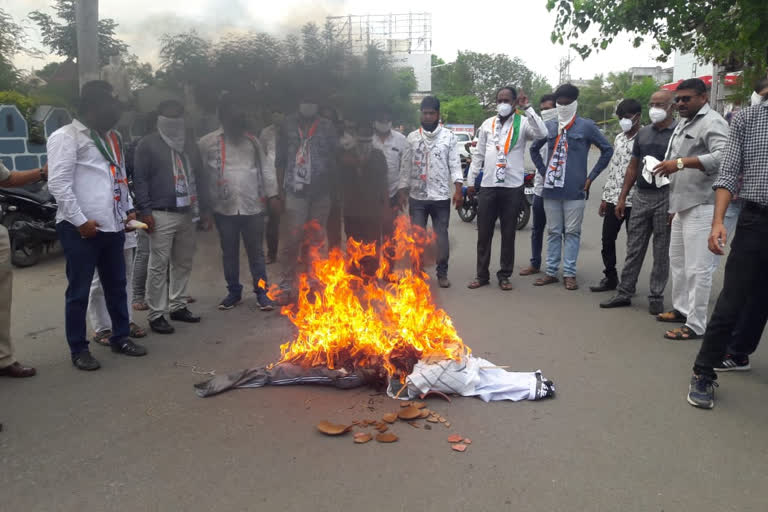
{"x": 364, "y": 145}
{"x": 756, "y": 99}
{"x": 383, "y": 126}
{"x": 504, "y": 109}
{"x": 566, "y": 112}
{"x": 237, "y": 125}
{"x": 173, "y": 131}
{"x": 430, "y": 127}
{"x": 657, "y": 114}
{"x": 626, "y": 124}
{"x": 308, "y": 109}
{"x": 548, "y": 115}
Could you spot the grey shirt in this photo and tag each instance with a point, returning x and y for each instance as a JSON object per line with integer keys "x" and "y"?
{"x": 703, "y": 136}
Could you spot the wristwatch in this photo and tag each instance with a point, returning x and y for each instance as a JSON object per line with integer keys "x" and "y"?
{"x": 680, "y": 165}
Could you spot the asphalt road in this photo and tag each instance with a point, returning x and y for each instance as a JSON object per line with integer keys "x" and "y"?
{"x": 619, "y": 436}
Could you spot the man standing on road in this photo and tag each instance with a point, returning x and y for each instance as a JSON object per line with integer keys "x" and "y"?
{"x": 392, "y": 145}
{"x": 628, "y": 112}
{"x": 167, "y": 176}
{"x": 430, "y": 165}
{"x": 567, "y": 187}
{"x": 242, "y": 187}
{"x": 746, "y": 278}
{"x": 305, "y": 161}
{"x": 650, "y": 213}
{"x": 268, "y": 140}
{"x": 692, "y": 162}
{"x": 500, "y": 154}
{"x": 88, "y": 180}
{"x": 9, "y": 367}
{"x": 548, "y": 113}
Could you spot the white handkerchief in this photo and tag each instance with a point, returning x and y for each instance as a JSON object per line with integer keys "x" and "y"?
{"x": 649, "y": 163}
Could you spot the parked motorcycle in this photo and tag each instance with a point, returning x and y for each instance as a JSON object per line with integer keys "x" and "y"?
{"x": 525, "y": 212}
{"x": 29, "y": 214}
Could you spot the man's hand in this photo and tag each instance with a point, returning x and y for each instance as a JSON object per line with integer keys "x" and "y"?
{"x": 44, "y": 172}
{"x": 522, "y": 100}
{"x": 620, "y": 209}
{"x": 665, "y": 168}
{"x": 587, "y": 185}
{"x": 458, "y": 198}
{"x": 602, "y": 208}
{"x": 402, "y": 199}
{"x": 275, "y": 205}
{"x": 717, "y": 238}
{"x": 206, "y": 222}
{"x": 470, "y": 191}
{"x": 131, "y": 216}
{"x": 89, "y": 229}
{"x": 149, "y": 220}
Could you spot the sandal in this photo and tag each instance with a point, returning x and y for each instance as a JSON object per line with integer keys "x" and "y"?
{"x": 505, "y": 284}
{"x": 477, "y": 284}
{"x": 529, "y": 271}
{"x": 674, "y": 317}
{"x": 102, "y": 337}
{"x": 570, "y": 283}
{"x": 547, "y": 279}
{"x": 136, "y": 331}
{"x": 682, "y": 333}
{"x": 140, "y": 306}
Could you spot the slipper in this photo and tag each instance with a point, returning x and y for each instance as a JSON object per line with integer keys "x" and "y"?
{"x": 529, "y": 271}
{"x": 136, "y": 331}
{"x": 673, "y": 317}
{"x": 547, "y": 279}
{"x": 477, "y": 284}
{"x": 682, "y": 333}
{"x": 102, "y": 337}
{"x": 140, "y": 306}
{"x": 570, "y": 283}
{"x": 505, "y": 284}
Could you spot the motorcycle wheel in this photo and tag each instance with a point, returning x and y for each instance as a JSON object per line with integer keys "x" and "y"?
{"x": 22, "y": 254}
{"x": 524, "y": 216}
{"x": 468, "y": 210}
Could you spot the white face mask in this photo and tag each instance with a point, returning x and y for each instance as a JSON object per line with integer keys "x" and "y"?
{"x": 566, "y": 112}
{"x": 382, "y": 127}
{"x": 548, "y": 115}
{"x": 308, "y": 109}
{"x": 626, "y": 124}
{"x": 756, "y": 99}
{"x": 504, "y": 109}
{"x": 657, "y": 114}
{"x": 173, "y": 131}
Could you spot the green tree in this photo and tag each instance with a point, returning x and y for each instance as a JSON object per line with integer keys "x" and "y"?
{"x": 12, "y": 39}
{"x": 463, "y": 110}
{"x": 619, "y": 83}
{"x": 727, "y": 32}
{"x": 642, "y": 92}
{"x": 60, "y": 36}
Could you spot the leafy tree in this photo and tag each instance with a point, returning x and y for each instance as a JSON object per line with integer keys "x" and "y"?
{"x": 619, "y": 83}
{"x": 642, "y": 92}
{"x": 463, "y": 110}
{"x": 12, "y": 39}
{"x": 59, "y": 34}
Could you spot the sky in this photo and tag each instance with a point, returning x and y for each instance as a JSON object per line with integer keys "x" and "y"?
{"x": 519, "y": 29}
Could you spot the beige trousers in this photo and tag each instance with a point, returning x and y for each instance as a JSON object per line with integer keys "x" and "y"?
{"x": 6, "y": 281}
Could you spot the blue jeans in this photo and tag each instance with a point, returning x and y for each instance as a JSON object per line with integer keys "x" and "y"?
{"x": 564, "y": 219}
{"x": 251, "y": 228}
{"x": 104, "y": 253}
{"x": 440, "y": 211}
{"x": 537, "y": 231}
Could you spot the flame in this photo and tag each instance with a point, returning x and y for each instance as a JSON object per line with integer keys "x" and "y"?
{"x": 346, "y": 318}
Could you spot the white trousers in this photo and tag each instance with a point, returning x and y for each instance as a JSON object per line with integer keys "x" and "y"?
{"x": 97, "y": 304}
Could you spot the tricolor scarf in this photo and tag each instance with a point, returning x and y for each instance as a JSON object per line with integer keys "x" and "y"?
{"x": 112, "y": 151}
{"x": 555, "y": 175}
{"x": 502, "y": 152}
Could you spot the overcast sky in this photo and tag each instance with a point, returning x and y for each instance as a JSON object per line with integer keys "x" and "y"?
{"x": 519, "y": 29}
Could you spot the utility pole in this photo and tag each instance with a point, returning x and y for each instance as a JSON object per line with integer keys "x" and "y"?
{"x": 87, "y": 23}
{"x": 717, "y": 92}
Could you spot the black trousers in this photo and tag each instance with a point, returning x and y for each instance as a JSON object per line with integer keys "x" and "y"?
{"x": 273, "y": 234}
{"x": 611, "y": 229}
{"x": 497, "y": 203}
{"x": 745, "y": 279}
{"x": 749, "y": 330}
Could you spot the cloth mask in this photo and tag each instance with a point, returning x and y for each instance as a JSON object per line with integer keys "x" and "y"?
{"x": 429, "y": 127}
{"x": 173, "y": 130}
{"x": 756, "y": 99}
{"x": 549, "y": 114}
{"x": 383, "y": 126}
{"x": 308, "y": 109}
{"x": 565, "y": 113}
{"x": 626, "y": 124}
{"x": 657, "y": 114}
{"x": 504, "y": 109}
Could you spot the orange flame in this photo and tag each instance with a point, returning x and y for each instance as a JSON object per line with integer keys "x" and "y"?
{"x": 348, "y": 319}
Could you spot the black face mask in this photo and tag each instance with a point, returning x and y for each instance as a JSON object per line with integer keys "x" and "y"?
{"x": 238, "y": 125}
{"x": 430, "y": 127}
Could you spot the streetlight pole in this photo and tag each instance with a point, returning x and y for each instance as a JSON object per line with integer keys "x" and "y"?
{"x": 87, "y": 23}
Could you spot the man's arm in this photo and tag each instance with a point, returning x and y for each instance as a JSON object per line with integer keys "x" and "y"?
{"x": 715, "y": 139}
{"x": 535, "y": 151}
{"x": 21, "y": 178}
{"x": 478, "y": 156}
{"x": 629, "y": 181}
{"x": 141, "y": 172}
{"x": 62, "y": 158}
{"x": 535, "y": 129}
{"x": 281, "y": 156}
{"x": 727, "y": 182}
{"x": 597, "y": 138}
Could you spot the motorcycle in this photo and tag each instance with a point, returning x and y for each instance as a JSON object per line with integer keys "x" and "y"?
{"x": 525, "y": 211}
{"x": 29, "y": 214}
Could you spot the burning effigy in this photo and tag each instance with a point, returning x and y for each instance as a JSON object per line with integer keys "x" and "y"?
{"x": 381, "y": 329}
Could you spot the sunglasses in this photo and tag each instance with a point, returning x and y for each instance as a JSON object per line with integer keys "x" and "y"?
{"x": 684, "y": 99}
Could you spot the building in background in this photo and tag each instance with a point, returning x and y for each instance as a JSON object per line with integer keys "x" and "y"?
{"x": 687, "y": 65}
{"x": 660, "y": 75}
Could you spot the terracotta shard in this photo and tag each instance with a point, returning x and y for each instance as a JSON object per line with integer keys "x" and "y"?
{"x": 362, "y": 437}
{"x": 409, "y": 413}
{"x": 414, "y": 424}
{"x": 390, "y": 417}
{"x": 424, "y": 414}
{"x": 459, "y": 447}
{"x": 405, "y": 403}
{"x": 382, "y": 428}
{"x": 432, "y": 419}
{"x": 419, "y": 405}
{"x": 387, "y": 437}
{"x": 455, "y": 438}
{"x": 467, "y": 440}
{"x": 441, "y": 419}
{"x": 447, "y": 424}
{"x": 331, "y": 429}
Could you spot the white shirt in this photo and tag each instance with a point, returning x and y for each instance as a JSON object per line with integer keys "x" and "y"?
{"x": 393, "y": 147}
{"x": 431, "y": 165}
{"x": 484, "y": 155}
{"x": 80, "y": 179}
{"x": 248, "y": 179}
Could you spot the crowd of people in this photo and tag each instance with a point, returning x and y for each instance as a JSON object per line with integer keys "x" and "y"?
{"x": 128, "y": 215}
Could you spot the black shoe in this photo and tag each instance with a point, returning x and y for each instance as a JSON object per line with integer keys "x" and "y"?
{"x": 606, "y": 285}
{"x": 264, "y": 302}
{"x": 655, "y": 308}
{"x": 161, "y": 326}
{"x": 701, "y": 392}
{"x": 443, "y": 282}
{"x": 85, "y": 361}
{"x": 616, "y": 302}
{"x": 184, "y": 315}
{"x": 230, "y": 301}
{"x": 733, "y": 364}
{"x": 128, "y": 348}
